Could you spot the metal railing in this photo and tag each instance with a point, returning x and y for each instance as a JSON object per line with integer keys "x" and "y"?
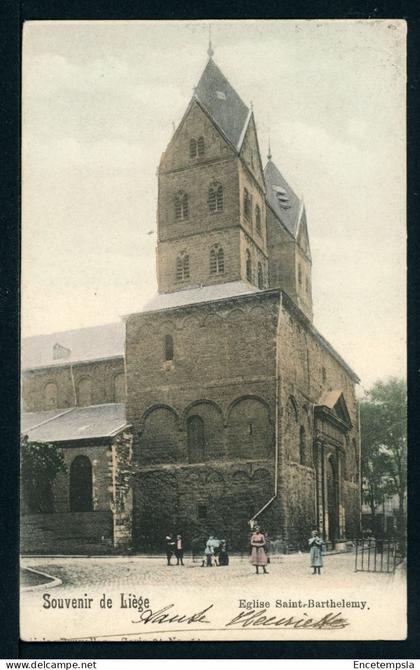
{"x": 377, "y": 555}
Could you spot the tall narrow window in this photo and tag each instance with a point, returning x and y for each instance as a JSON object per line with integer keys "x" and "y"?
{"x": 302, "y": 446}
{"x": 81, "y": 485}
{"x": 247, "y": 205}
{"x": 200, "y": 146}
{"x": 195, "y": 438}
{"x": 299, "y": 275}
{"x": 182, "y": 266}
{"x": 51, "y": 395}
{"x": 84, "y": 392}
{"x": 193, "y": 148}
{"x": 181, "y": 206}
{"x": 307, "y": 285}
{"x": 119, "y": 387}
{"x": 215, "y": 198}
{"x": 248, "y": 266}
{"x": 258, "y": 220}
{"x": 260, "y": 276}
{"x": 217, "y": 260}
{"x": 169, "y": 348}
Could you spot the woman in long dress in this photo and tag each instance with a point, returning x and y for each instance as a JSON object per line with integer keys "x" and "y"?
{"x": 258, "y": 552}
{"x": 315, "y": 552}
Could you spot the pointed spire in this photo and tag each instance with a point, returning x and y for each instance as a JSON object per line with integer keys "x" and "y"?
{"x": 269, "y": 156}
{"x": 210, "y": 50}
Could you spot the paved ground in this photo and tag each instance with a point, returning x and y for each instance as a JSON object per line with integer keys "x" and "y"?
{"x": 126, "y": 571}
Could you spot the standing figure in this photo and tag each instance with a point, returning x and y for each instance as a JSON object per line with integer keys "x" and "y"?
{"x": 208, "y": 553}
{"x": 258, "y": 552}
{"x": 223, "y": 553}
{"x": 169, "y": 544}
{"x": 179, "y": 550}
{"x": 315, "y": 552}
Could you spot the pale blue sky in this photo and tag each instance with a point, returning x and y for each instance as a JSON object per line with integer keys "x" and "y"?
{"x": 99, "y": 100}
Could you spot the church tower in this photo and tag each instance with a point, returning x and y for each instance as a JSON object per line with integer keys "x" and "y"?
{"x": 211, "y": 203}
{"x": 289, "y": 254}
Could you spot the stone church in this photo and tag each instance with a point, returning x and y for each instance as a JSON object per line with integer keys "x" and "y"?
{"x": 220, "y": 399}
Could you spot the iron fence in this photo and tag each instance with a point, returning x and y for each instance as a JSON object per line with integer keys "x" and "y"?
{"x": 377, "y": 555}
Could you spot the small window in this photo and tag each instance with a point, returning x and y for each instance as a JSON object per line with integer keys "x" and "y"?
{"x": 181, "y": 206}
{"x": 307, "y": 285}
{"x": 248, "y": 266}
{"x": 217, "y": 260}
{"x": 302, "y": 446}
{"x": 215, "y": 198}
{"x": 300, "y": 275}
{"x": 84, "y": 392}
{"x": 182, "y": 266}
{"x": 202, "y": 512}
{"x": 200, "y": 146}
{"x": 324, "y": 375}
{"x": 260, "y": 276}
{"x": 258, "y": 220}
{"x": 193, "y": 148}
{"x": 169, "y": 348}
{"x": 247, "y": 205}
{"x": 51, "y": 394}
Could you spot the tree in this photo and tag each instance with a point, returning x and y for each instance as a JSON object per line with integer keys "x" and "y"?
{"x": 383, "y": 416}
{"x": 40, "y": 464}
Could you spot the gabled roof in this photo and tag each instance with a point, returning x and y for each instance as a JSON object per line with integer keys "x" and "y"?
{"x": 334, "y": 401}
{"x": 223, "y": 104}
{"x": 282, "y": 199}
{"x": 78, "y": 423}
{"x": 84, "y": 344}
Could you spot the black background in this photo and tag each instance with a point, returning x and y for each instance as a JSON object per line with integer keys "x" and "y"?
{"x": 12, "y": 16}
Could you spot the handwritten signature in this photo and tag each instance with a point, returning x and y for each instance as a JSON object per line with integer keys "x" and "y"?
{"x": 245, "y": 619}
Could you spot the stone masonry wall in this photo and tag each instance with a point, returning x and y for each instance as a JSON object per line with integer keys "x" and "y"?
{"x": 102, "y": 375}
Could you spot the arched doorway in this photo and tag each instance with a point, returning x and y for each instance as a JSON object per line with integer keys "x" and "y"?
{"x": 332, "y": 499}
{"x": 81, "y": 485}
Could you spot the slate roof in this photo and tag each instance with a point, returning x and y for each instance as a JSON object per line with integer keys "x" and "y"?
{"x": 224, "y": 105}
{"x": 200, "y": 294}
{"x": 276, "y": 184}
{"x": 76, "y": 424}
{"x": 84, "y": 344}
{"x": 31, "y": 419}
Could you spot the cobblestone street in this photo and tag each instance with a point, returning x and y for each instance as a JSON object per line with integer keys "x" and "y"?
{"x": 129, "y": 571}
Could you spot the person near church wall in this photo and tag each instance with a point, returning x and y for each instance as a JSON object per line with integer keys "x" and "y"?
{"x": 315, "y": 552}
{"x": 169, "y": 546}
{"x": 179, "y": 550}
{"x": 258, "y": 550}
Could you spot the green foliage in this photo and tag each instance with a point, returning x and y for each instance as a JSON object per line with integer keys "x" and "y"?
{"x": 40, "y": 464}
{"x": 383, "y": 418}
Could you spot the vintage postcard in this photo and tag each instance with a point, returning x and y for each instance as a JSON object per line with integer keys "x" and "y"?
{"x": 213, "y": 426}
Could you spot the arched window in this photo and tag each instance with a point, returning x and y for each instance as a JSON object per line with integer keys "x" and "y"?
{"x": 193, "y": 148}
{"x": 217, "y": 260}
{"x": 169, "y": 348}
{"x": 195, "y": 439}
{"x": 248, "y": 266}
{"x": 84, "y": 392}
{"x": 182, "y": 266}
{"x": 50, "y": 393}
{"x": 119, "y": 387}
{"x": 215, "y": 198}
{"x": 81, "y": 485}
{"x": 181, "y": 206}
{"x": 247, "y": 205}
{"x": 302, "y": 446}
{"x": 200, "y": 146}
{"x": 258, "y": 219}
{"x": 260, "y": 276}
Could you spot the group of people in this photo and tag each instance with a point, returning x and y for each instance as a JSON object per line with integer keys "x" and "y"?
{"x": 216, "y": 553}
